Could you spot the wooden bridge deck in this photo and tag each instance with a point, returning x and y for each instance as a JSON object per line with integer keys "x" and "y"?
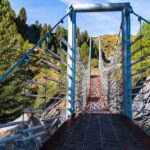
{"x": 91, "y": 131}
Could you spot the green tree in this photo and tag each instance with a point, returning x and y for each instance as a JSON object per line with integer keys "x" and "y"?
{"x": 43, "y": 44}
{"x": 37, "y": 23}
{"x": 95, "y": 49}
{"x": 84, "y": 51}
{"x": 11, "y": 44}
{"x": 26, "y": 46}
{"x": 21, "y": 21}
{"x": 22, "y": 16}
{"x": 143, "y": 54}
{"x": 45, "y": 28}
{"x": 145, "y": 43}
{"x": 10, "y": 41}
{"x": 83, "y": 38}
{"x": 94, "y": 63}
{"x": 78, "y": 32}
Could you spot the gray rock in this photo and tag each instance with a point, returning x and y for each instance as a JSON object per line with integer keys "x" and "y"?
{"x": 141, "y": 108}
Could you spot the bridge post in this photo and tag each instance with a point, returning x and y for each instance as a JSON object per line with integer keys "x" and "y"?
{"x": 127, "y": 105}
{"x": 70, "y": 95}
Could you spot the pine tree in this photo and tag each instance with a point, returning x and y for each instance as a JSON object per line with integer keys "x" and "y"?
{"x": 10, "y": 41}
{"x": 37, "y": 23}
{"x": 22, "y": 16}
{"x": 45, "y": 28}
{"x": 21, "y": 21}
{"x": 84, "y": 51}
{"x": 77, "y": 32}
{"x": 10, "y": 51}
{"x": 83, "y": 38}
{"x": 43, "y": 44}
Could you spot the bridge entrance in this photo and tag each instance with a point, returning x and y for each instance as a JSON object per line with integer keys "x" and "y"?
{"x": 58, "y": 86}
{"x": 125, "y": 9}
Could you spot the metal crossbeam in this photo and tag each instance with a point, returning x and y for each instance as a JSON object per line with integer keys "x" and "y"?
{"x": 12, "y": 124}
{"x": 49, "y": 64}
{"x": 137, "y": 87}
{"x": 52, "y": 79}
{"x": 34, "y": 136}
{"x": 140, "y": 59}
{"x": 140, "y": 71}
{"x": 137, "y": 39}
{"x": 101, "y": 7}
{"x": 33, "y": 111}
{"x": 54, "y": 55}
{"x": 137, "y": 50}
{"x": 65, "y": 42}
{"x": 34, "y": 82}
{"x": 11, "y": 138}
{"x": 33, "y": 128}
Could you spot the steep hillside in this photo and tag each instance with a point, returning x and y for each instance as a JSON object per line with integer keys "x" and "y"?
{"x": 15, "y": 35}
{"x": 108, "y": 43}
{"x": 11, "y": 42}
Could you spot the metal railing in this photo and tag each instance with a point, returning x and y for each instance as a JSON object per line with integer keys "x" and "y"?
{"x": 111, "y": 77}
{"x": 115, "y": 79}
{"x": 140, "y": 66}
{"x": 35, "y": 88}
{"x": 82, "y": 82}
{"x": 103, "y": 73}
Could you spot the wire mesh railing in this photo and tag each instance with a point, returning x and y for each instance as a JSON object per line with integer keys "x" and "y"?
{"x": 82, "y": 81}
{"x": 33, "y": 90}
{"x": 111, "y": 77}
{"x": 103, "y": 73}
{"x": 115, "y": 79}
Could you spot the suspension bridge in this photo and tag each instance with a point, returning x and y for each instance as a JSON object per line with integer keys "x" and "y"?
{"x": 88, "y": 112}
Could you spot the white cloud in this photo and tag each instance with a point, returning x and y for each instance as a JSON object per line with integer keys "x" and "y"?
{"x": 99, "y": 23}
{"x": 87, "y": 1}
{"x": 76, "y": 1}
{"x": 92, "y": 17}
{"x": 117, "y": 1}
{"x": 103, "y": 17}
{"x": 97, "y": 16}
{"x": 110, "y": 20}
{"x": 92, "y": 1}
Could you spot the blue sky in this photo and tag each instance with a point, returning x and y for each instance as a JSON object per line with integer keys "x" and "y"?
{"x": 50, "y": 11}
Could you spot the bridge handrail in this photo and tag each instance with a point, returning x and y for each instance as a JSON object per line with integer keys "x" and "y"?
{"x": 53, "y": 107}
{"x": 82, "y": 81}
{"x": 140, "y": 17}
{"x": 140, "y": 74}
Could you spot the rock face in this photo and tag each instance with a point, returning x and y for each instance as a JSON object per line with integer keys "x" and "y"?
{"x": 141, "y": 107}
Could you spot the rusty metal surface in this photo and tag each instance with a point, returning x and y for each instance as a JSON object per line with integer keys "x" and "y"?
{"x": 91, "y": 131}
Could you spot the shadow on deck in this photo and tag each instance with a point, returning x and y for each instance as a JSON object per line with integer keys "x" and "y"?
{"x": 88, "y": 131}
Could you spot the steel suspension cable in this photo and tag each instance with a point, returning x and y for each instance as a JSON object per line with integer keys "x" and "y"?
{"x": 46, "y": 70}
